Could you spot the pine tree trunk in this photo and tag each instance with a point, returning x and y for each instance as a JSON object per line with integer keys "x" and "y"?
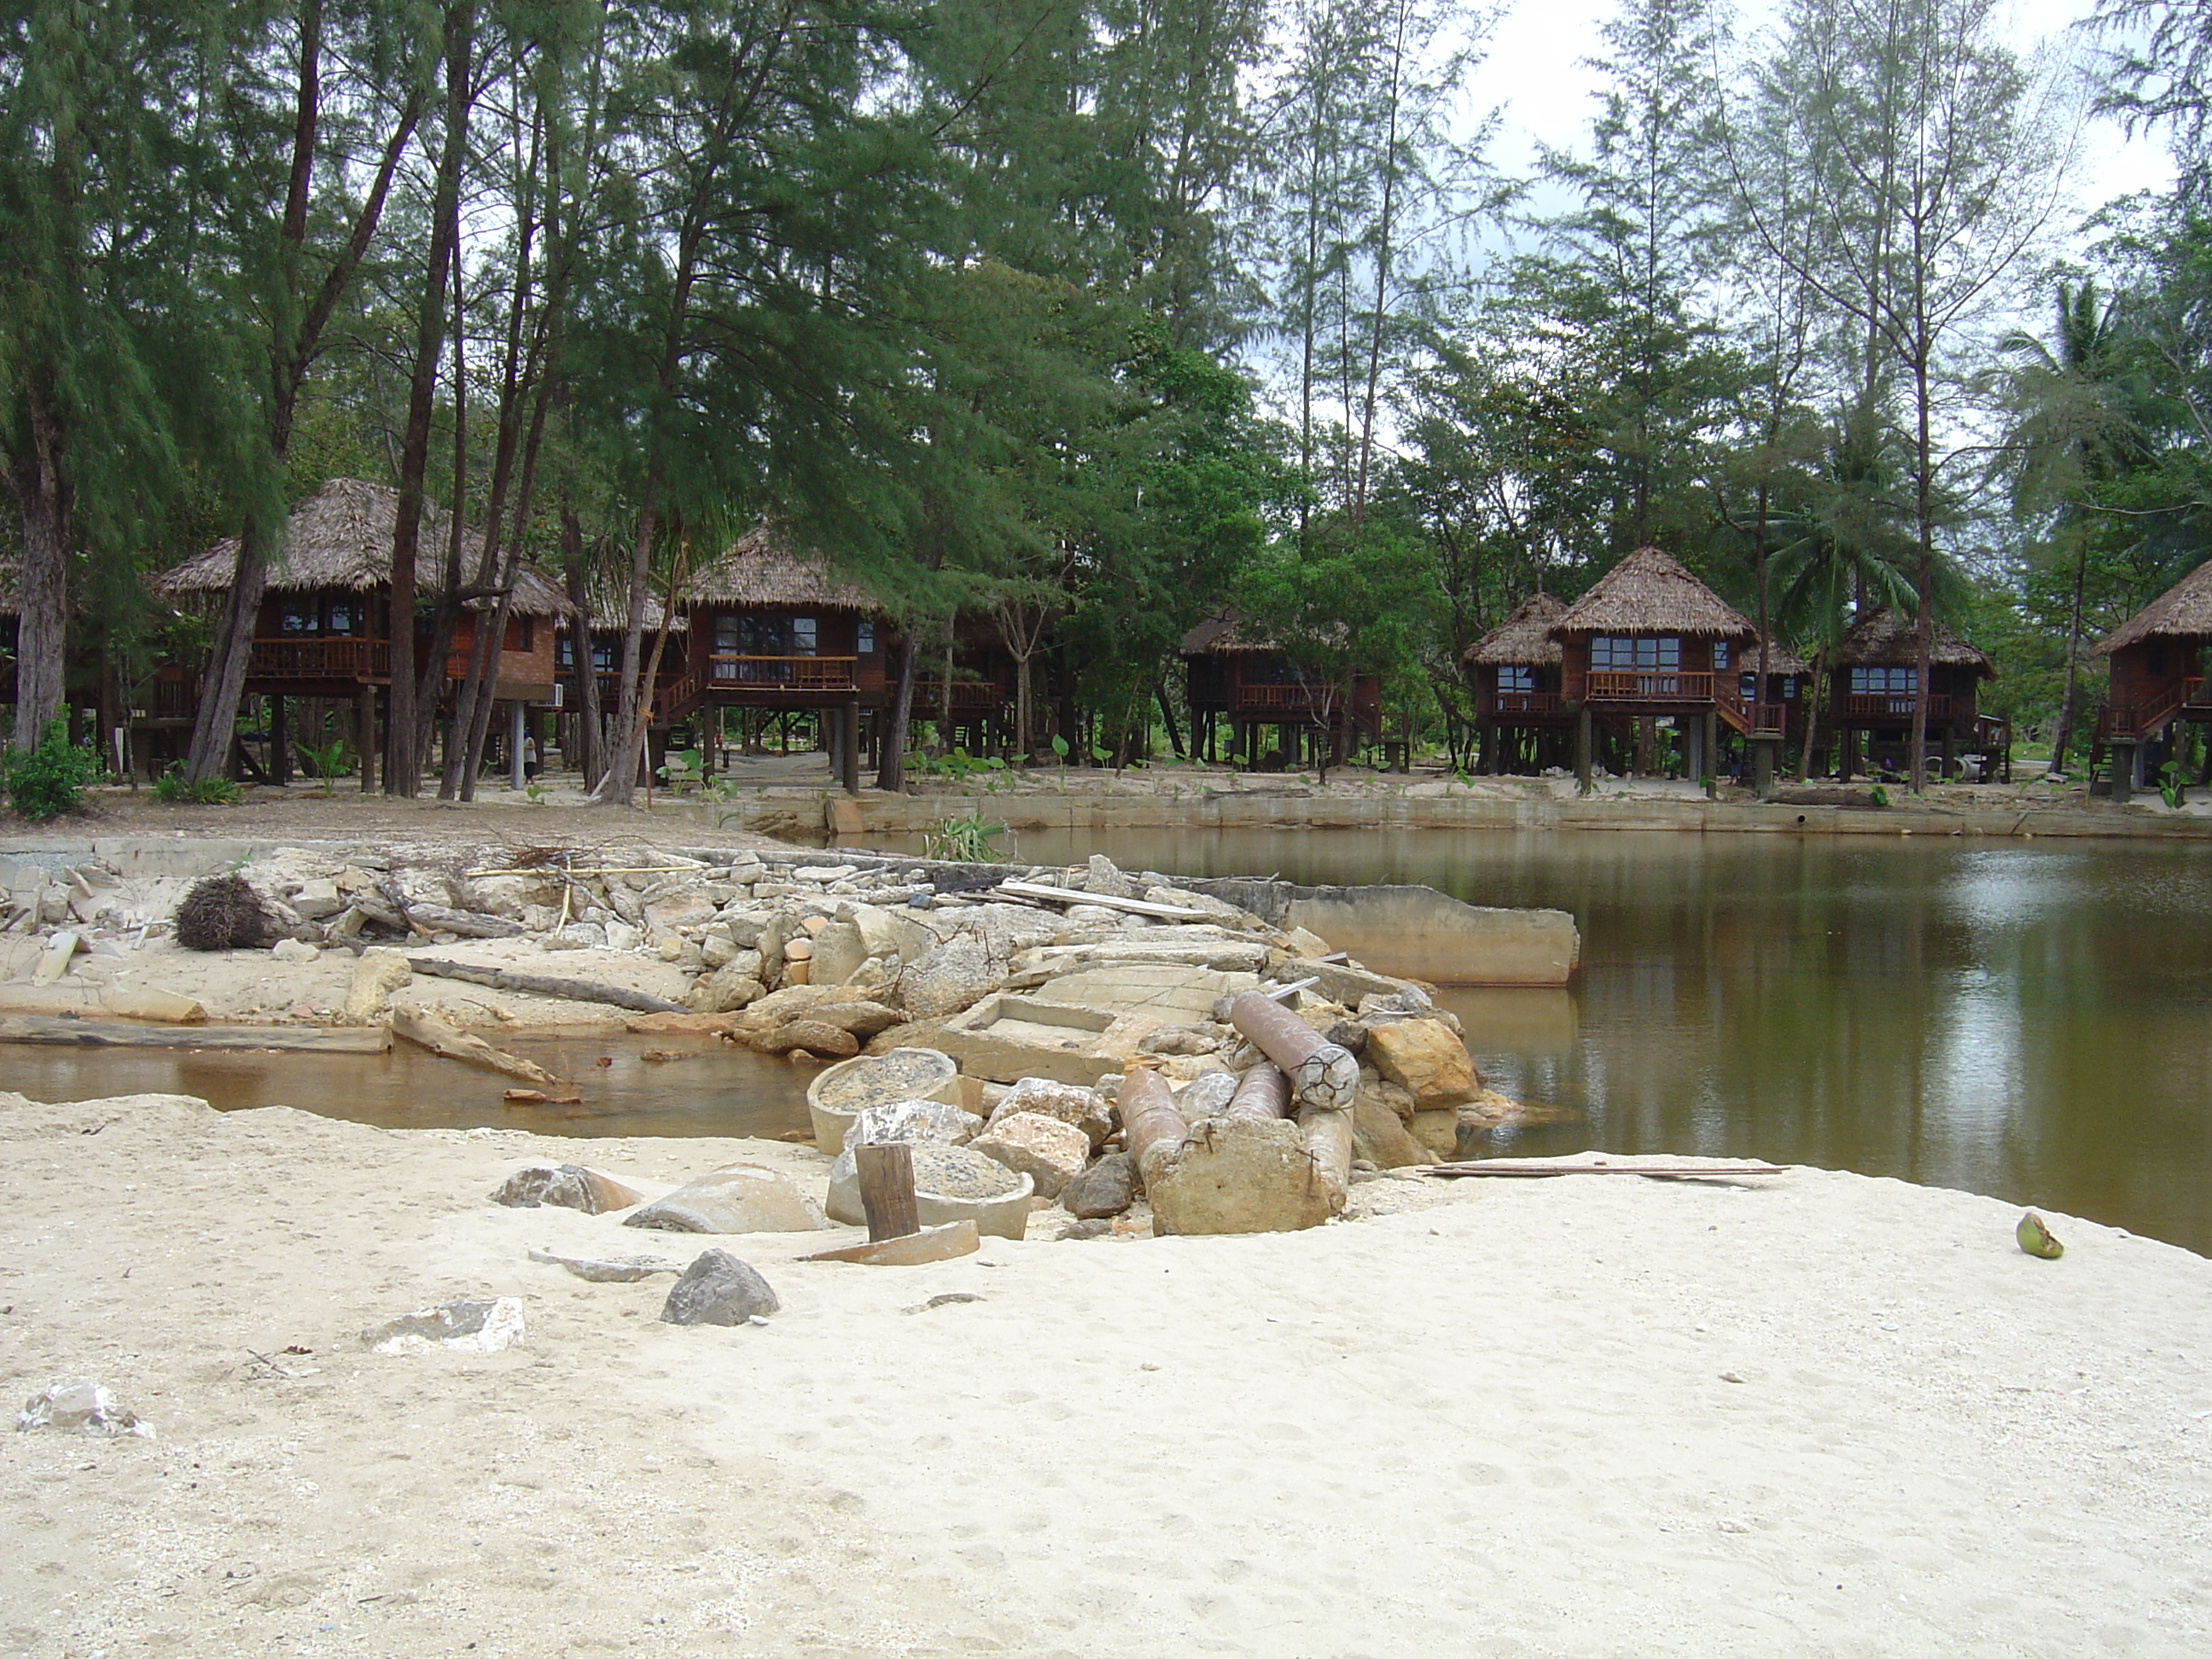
{"x": 42, "y": 505}
{"x": 590, "y": 761}
{"x": 891, "y": 774}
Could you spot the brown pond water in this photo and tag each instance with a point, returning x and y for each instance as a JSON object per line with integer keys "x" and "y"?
{"x": 2031, "y": 1021}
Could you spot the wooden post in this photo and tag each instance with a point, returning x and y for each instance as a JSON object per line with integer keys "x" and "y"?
{"x": 848, "y": 731}
{"x": 2122, "y": 764}
{"x": 1583, "y": 748}
{"x": 1762, "y": 765}
{"x": 280, "y": 742}
{"x": 364, "y": 737}
{"x": 886, "y": 1172}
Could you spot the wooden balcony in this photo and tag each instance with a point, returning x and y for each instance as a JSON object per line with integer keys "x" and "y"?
{"x": 1660, "y": 685}
{"x": 1893, "y": 706}
{"x": 2192, "y": 698}
{"x": 362, "y": 661}
{"x": 728, "y": 672}
{"x": 1504, "y": 704}
{"x": 970, "y": 698}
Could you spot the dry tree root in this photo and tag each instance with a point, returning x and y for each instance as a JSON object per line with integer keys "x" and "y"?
{"x": 222, "y": 913}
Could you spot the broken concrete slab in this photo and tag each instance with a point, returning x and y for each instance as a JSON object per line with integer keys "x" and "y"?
{"x": 1008, "y": 1037}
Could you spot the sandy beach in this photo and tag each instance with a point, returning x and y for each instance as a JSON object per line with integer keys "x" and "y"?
{"x": 1823, "y": 1415}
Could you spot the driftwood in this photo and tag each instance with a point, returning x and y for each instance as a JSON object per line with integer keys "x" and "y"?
{"x": 100, "y": 1033}
{"x": 1529, "y": 1168}
{"x": 941, "y": 1243}
{"x": 1321, "y": 1073}
{"x": 1072, "y": 896}
{"x": 574, "y": 990}
{"x": 449, "y": 1042}
{"x": 470, "y": 924}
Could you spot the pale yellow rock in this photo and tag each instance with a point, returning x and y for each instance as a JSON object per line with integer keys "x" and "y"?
{"x": 375, "y": 977}
{"x": 1424, "y": 1057}
{"x": 1049, "y": 1152}
{"x": 1438, "y": 1131}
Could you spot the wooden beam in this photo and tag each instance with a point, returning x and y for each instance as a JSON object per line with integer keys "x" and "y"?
{"x": 57, "y": 1032}
{"x": 1530, "y": 1167}
{"x": 1074, "y": 896}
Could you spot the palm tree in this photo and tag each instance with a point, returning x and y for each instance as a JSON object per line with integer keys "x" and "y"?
{"x": 2076, "y": 405}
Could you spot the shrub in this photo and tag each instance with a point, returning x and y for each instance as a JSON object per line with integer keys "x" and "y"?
{"x": 173, "y": 786}
{"x": 222, "y": 913}
{"x": 49, "y": 781}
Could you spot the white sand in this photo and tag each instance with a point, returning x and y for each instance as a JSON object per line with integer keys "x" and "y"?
{"x": 1496, "y": 1422}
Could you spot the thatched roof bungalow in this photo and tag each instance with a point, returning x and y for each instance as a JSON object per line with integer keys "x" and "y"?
{"x": 1642, "y": 640}
{"x": 1523, "y": 638}
{"x": 1877, "y": 675}
{"x": 2157, "y": 661}
{"x": 1235, "y": 673}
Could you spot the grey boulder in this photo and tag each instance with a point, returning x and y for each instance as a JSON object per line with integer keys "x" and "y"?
{"x": 718, "y": 1289}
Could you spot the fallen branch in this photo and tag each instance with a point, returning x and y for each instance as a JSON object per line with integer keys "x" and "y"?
{"x": 470, "y": 924}
{"x": 100, "y": 1034}
{"x": 1527, "y": 1167}
{"x": 449, "y": 1042}
{"x": 543, "y": 985}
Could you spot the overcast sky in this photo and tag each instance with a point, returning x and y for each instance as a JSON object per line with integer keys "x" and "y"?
{"x": 1534, "y": 73}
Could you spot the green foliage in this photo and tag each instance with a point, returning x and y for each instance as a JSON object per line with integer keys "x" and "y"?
{"x": 328, "y": 761}
{"x": 1878, "y": 795}
{"x": 963, "y": 840}
{"x": 2173, "y": 785}
{"x": 48, "y": 781}
{"x": 175, "y": 788}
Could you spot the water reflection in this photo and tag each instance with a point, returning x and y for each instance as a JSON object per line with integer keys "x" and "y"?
{"x": 2027, "y": 1020}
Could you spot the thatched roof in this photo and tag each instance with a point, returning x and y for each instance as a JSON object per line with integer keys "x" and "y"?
{"x": 1884, "y": 639}
{"x": 761, "y": 569}
{"x": 1780, "y": 660}
{"x": 1648, "y": 593}
{"x": 1221, "y": 634}
{"x": 2184, "y": 611}
{"x": 1524, "y": 637}
{"x": 340, "y": 537}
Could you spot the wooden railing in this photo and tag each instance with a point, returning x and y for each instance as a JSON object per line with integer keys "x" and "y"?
{"x": 969, "y": 697}
{"x": 1649, "y": 685}
{"x": 672, "y": 699}
{"x": 784, "y": 673}
{"x": 338, "y": 658}
{"x": 1893, "y": 705}
{"x": 1524, "y": 703}
{"x": 2136, "y": 719}
{"x": 1304, "y": 702}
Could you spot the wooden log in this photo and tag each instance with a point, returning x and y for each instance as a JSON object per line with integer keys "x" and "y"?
{"x": 1321, "y": 1073}
{"x": 1529, "y": 1168}
{"x": 57, "y": 1032}
{"x": 574, "y": 990}
{"x": 954, "y": 1238}
{"x": 1150, "y": 1126}
{"x": 1072, "y": 896}
{"x": 886, "y": 1172}
{"x": 449, "y": 1042}
{"x": 470, "y": 924}
{"x": 1263, "y": 1094}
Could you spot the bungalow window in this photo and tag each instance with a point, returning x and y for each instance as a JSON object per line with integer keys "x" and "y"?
{"x": 520, "y": 634}
{"x": 564, "y": 652}
{"x": 344, "y": 616}
{"x": 863, "y": 639}
{"x": 1633, "y": 652}
{"x": 1721, "y": 657}
{"x": 299, "y": 615}
{"x": 1884, "y": 682}
{"x": 603, "y": 656}
{"x": 765, "y": 636}
{"x": 1516, "y": 676}
{"x": 1746, "y": 685}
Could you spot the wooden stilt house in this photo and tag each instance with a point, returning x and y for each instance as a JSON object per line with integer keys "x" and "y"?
{"x": 1875, "y": 683}
{"x": 1651, "y": 642}
{"x": 1520, "y": 714}
{"x": 771, "y": 628}
{"x": 1249, "y": 683}
{"x": 2156, "y": 661}
{"x": 324, "y": 631}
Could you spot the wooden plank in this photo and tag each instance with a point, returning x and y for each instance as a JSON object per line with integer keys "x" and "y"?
{"x": 1526, "y": 1167}
{"x": 55, "y": 1032}
{"x": 1072, "y": 896}
{"x": 450, "y": 1042}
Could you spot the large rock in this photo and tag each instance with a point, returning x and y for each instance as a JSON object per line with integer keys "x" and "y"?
{"x": 736, "y": 984}
{"x": 378, "y": 973}
{"x": 1049, "y": 1152}
{"x": 839, "y": 951}
{"x": 1426, "y": 1059}
{"x": 913, "y": 1119}
{"x": 1238, "y": 1175}
{"x": 1107, "y": 1188}
{"x": 718, "y": 1289}
{"x": 814, "y": 1036}
{"x": 1105, "y": 878}
{"x": 742, "y": 1198}
{"x": 1074, "y": 1104}
{"x": 567, "y": 1187}
{"x": 1204, "y": 1096}
{"x": 956, "y": 974}
{"x": 483, "y": 1327}
{"x": 833, "y": 1005}
{"x": 687, "y": 907}
{"x": 1438, "y": 1131}
{"x": 1379, "y": 1137}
